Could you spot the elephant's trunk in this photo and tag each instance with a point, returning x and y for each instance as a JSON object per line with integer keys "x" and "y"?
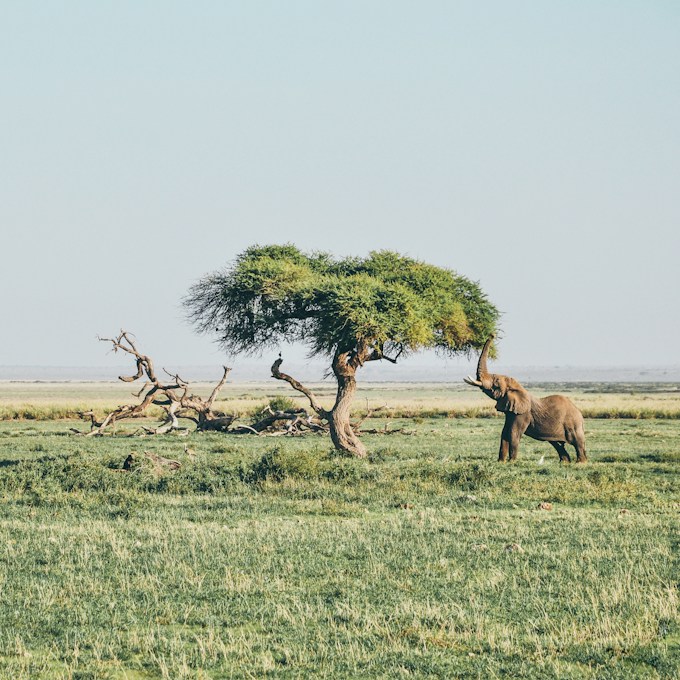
{"x": 482, "y": 370}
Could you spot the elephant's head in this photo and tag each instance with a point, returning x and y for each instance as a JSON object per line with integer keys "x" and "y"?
{"x": 509, "y": 394}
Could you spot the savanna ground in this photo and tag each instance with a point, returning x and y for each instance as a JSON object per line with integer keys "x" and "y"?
{"x": 275, "y": 557}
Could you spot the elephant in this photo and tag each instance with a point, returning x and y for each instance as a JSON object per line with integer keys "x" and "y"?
{"x": 554, "y": 419}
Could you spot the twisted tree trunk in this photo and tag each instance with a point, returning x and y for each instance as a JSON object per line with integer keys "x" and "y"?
{"x": 342, "y": 433}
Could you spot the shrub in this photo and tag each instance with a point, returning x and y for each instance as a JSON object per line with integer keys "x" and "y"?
{"x": 275, "y": 404}
{"x": 281, "y": 463}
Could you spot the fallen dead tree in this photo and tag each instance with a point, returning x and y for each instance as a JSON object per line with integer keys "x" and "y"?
{"x": 280, "y": 422}
{"x": 173, "y": 396}
{"x": 177, "y": 401}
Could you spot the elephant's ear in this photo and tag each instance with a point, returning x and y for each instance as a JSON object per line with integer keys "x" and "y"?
{"x": 515, "y": 400}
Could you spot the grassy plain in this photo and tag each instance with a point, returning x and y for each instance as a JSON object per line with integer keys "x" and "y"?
{"x": 268, "y": 557}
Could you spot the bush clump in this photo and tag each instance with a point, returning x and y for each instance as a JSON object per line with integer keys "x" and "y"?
{"x": 281, "y": 463}
{"x": 279, "y": 403}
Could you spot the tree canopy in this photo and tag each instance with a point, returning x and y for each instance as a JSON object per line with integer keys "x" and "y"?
{"x": 352, "y": 310}
{"x": 382, "y": 305}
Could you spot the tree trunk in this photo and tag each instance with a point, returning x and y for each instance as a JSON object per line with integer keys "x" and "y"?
{"x": 208, "y": 421}
{"x": 343, "y": 436}
{"x": 344, "y": 368}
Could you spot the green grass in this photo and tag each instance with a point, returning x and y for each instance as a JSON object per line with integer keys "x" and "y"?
{"x": 269, "y": 557}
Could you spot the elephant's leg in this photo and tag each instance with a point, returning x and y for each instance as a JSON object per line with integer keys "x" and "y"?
{"x": 561, "y": 452}
{"x": 579, "y": 444}
{"x": 504, "y": 449}
{"x": 577, "y": 438}
{"x": 514, "y": 445}
{"x": 515, "y": 426}
{"x": 512, "y": 433}
{"x": 505, "y": 444}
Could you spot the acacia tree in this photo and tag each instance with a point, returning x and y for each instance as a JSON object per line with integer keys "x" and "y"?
{"x": 351, "y": 310}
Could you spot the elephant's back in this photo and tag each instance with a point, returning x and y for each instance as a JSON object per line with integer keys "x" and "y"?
{"x": 558, "y": 403}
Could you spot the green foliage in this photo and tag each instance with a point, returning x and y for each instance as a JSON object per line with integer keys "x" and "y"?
{"x": 282, "y": 463}
{"x": 385, "y": 302}
{"x": 278, "y": 403}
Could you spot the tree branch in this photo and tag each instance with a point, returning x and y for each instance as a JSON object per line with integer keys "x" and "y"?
{"x": 173, "y": 397}
{"x": 276, "y": 373}
{"x": 377, "y": 355}
{"x": 218, "y": 387}
{"x": 144, "y": 364}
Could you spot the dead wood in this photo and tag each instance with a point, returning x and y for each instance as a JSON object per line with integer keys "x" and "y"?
{"x": 369, "y": 413}
{"x": 386, "y": 430}
{"x": 275, "y": 416}
{"x": 281, "y": 422}
{"x": 173, "y": 396}
{"x": 276, "y": 373}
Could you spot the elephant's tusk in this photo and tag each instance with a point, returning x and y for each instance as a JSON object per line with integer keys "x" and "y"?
{"x": 471, "y": 381}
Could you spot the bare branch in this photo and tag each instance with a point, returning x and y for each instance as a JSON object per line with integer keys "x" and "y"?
{"x": 136, "y": 376}
{"x": 276, "y": 373}
{"x": 172, "y": 397}
{"x": 176, "y": 378}
{"x": 377, "y": 355}
{"x": 219, "y": 386}
{"x": 139, "y": 394}
{"x": 247, "y": 427}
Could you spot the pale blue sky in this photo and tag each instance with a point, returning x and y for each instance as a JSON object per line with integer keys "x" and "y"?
{"x": 533, "y": 146}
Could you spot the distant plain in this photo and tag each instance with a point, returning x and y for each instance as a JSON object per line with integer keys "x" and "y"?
{"x": 48, "y": 400}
